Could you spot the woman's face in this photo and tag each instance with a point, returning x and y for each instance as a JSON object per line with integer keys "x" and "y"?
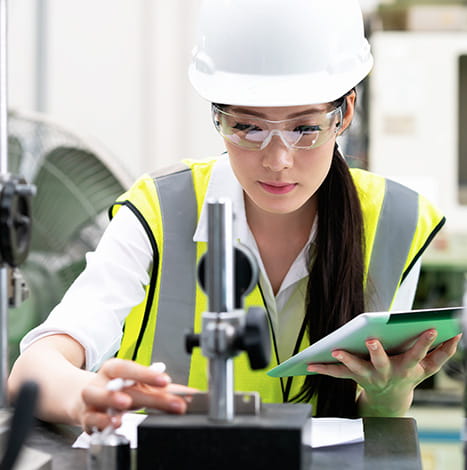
{"x": 278, "y": 179}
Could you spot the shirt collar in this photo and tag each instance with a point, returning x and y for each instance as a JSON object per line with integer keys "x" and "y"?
{"x": 223, "y": 184}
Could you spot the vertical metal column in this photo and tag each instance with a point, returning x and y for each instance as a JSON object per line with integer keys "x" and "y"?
{"x": 220, "y": 288}
{"x": 464, "y": 343}
{"x": 41, "y": 64}
{"x": 3, "y": 172}
{"x": 220, "y": 276}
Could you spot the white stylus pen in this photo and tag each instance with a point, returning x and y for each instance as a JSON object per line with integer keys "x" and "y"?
{"x": 115, "y": 385}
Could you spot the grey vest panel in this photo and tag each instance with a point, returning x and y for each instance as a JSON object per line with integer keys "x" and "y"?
{"x": 392, "y": 244}
{"x": 178, "y": 275}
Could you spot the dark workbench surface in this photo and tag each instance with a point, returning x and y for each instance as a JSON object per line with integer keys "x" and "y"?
{"x": 389, "y": 443}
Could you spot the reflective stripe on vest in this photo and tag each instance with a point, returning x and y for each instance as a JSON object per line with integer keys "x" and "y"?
{"x": 178, "y": 279}
{"x": 386, "y": 262}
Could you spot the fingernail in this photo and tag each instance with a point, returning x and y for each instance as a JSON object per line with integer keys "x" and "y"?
{"x": 432, "y": 334}
{"x": 176, "y": 406}
{"x": 338, "y": 356}
{"x": 373, "y": 345}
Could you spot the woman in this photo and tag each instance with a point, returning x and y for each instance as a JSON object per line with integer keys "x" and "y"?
{"x": 331, "y": 242}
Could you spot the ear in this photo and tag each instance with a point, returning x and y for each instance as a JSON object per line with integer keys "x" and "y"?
{"x": 351, "y": 100}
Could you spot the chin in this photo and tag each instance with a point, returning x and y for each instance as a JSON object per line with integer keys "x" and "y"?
{"x": 278, "y": 209}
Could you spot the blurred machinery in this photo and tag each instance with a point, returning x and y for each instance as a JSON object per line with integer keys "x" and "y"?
{"x": 76, "y": 182}
{"x": 418, "y": 136}
{"x": 417, "y": 131}
{"x": 418, "y": 116}
{"x": 45, "y": 230}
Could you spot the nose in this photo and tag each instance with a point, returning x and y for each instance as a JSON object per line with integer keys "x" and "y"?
{"x": 276, "y": 154}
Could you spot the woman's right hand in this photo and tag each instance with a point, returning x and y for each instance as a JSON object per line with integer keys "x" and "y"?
{"x": 101, "y": 407}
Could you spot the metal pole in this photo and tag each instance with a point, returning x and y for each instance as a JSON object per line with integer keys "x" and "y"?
{"x": 220, "y": 257}
{"x": 3, "y": 172}
{"x": 3, "y": 89}
{"x": 220, "y": 288}
{"x": 41, "y": 55}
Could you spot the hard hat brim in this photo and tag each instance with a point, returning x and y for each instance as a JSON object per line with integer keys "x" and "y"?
{"x": 283, "y": 90}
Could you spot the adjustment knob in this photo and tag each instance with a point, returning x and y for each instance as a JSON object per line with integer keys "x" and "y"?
{"x": 192, "y": 340}
{"x": 255, "y": 339}
{"x": 246, "y": 273}
{"x": 15, "y": 220}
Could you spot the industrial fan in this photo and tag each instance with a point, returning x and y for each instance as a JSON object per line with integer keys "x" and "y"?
{"x": 75, "y": 184}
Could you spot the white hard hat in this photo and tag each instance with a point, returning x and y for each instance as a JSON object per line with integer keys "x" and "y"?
{"x": 279, "y": 52}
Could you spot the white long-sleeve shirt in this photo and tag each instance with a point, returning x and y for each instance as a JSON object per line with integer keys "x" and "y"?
{"x": 94, "y": 308}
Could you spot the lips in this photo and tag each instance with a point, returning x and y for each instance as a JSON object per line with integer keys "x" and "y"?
{"x": 277, "y": 188}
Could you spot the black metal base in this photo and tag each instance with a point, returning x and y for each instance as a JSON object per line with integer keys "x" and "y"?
{"x": 272, "y": 439}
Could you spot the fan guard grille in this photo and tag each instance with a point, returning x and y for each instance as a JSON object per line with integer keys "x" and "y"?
{"x": 76, "y": 182}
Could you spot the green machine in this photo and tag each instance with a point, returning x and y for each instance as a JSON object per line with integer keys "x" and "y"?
{"x": 76, "y": 182}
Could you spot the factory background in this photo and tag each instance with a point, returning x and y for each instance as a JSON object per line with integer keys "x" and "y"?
{"x": 114, "y": 74}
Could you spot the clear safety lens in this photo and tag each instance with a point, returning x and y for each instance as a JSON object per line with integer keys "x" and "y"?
{"x": 253, "y": 133}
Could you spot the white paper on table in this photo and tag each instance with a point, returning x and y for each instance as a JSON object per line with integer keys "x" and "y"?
{"x": 322, "y": 432}
{"x": 318, "y": 432}
{"x": 128, "y": 429}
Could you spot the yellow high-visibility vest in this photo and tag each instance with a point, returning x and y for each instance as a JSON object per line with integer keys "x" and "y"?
{"x": 398, "y": 225}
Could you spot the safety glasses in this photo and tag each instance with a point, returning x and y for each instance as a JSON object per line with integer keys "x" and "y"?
{"x": 253, "y": 133}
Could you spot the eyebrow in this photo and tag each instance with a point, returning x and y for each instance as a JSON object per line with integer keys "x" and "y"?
{"x": 235, "y": 109}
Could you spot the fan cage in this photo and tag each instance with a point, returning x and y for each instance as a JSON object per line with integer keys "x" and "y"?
{"x": 76, "y": 181}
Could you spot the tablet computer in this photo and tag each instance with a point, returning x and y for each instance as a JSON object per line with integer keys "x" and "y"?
{"x": 397, "y": 332}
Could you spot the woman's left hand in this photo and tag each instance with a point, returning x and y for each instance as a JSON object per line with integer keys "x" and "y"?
{"x": 388, "y": 381}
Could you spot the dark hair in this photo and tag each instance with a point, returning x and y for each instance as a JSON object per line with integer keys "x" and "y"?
{"x": 335, "y": 285}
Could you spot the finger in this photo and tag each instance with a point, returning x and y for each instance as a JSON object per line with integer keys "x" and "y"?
{"x": 433, "y": 362}
{"x": 99, "y": 398}
{"x": 181, "y": 390}
{"x": 378, "y": 356}
{"x": 160, "y": 399}
{"x": 420, "y": 349}
{"x": 93, "y": 421}
{"x": 333, "y": 370}
{"x": 120, "y": 368}
{"x": 357, "y": 367}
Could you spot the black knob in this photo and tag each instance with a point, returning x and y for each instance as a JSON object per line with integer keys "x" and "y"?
{"x": 192, "y": 340}
{"x": 246, "y": 273}
{"x": 15, "y": 221}
{"x": 255, "y": 339}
